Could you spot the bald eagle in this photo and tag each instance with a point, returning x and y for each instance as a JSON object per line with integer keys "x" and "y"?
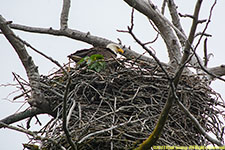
{"x": 110, "y": 51}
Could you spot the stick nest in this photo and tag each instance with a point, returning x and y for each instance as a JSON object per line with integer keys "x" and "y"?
{"x": 119, "y": 107}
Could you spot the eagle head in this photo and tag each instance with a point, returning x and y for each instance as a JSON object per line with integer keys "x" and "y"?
{"x": 115, "y": 48}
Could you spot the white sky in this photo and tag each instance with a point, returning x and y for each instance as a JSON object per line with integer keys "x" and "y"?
{"x": 101, "y": 18}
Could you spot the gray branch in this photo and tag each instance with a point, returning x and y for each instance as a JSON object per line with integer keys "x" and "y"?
{"x": 151, "y": 11}
{"x": 21, "y": 115}
{"x": 37, "y": 99}
{"x": 81, "y": 36}
{"x": 176, "y": 21}
{"x": 65, "y": 14}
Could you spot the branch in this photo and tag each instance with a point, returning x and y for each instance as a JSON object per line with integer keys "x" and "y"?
{"x": 22, "y": 115}
{"x": 176, "y": 21}
{"x": 164, "y": 26}
{"x": 33, "y": 135}
{"x": 199, "y": 127}
{"x": 152, "y": 139}
{"x": 64, "y": 15}
{"x": 84, "y": 37}
{"x": 68, "y": 136}
{"x": 37, "y": 99}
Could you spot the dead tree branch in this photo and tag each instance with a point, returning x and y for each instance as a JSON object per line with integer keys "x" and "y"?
{"x": 176, "y": 21}
{"x": 64, "y": 15}
{"x": 197, "y": 124}
{"x": 81, "y": 36}
{"x": 68, "y": 136}
{"x": 37, "y": 98}
{"x": 151, "y": 140}
{"x": 151, "y": 11}
{"x": 37, "y": 137}
{"x": 21, "y": 115}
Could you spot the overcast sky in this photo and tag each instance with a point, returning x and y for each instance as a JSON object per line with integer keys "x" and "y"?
{"x": 99, "y": 17}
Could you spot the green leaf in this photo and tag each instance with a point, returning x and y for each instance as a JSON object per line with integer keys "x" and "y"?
{"x": 96, "y": 57}
{"x": 94, "y": 62}
{"x": 83, "y": 59}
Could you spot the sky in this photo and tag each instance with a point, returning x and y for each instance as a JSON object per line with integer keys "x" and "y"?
{"x": 101, "y": 18}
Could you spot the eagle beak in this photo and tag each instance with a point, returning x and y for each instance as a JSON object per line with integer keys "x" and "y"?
{"x": 120, "y": 50}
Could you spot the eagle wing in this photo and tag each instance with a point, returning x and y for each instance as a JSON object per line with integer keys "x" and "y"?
{"x": 105, "y": 52}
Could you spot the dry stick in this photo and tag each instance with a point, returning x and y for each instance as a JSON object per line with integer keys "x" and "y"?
{"x": 108, "y": 129}
{"x": 64, "y": 15}
{"x": 65, "y": 125}
{"x": 130, "y": 31}
{"x": 21, "y": 115}
{"x": 71, "y": 111}
{"x": 197, "y": 124}
{"x": 21, "y": 85}
{"x": 33, "y": 135}
{"x": 151, "y": 140}
{"x": 44, "y": 55}
{"x": 205, "y": 58}
{"x": 176, "y": 21}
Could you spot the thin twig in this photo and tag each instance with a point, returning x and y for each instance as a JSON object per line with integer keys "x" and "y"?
{"x": 65, "y": 128}
{"x": 197, "y": 124}
{"x": 33, "y": 135}
{"x": 44, "y": 55}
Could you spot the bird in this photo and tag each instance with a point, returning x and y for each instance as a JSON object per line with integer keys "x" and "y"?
{"x": 110, "y": 51}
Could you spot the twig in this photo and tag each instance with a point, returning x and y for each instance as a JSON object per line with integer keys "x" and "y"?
{"x": 33, "y": 135}
{"x": 44, "y": 55}
{"x": 108, "y": 129}
{"x": 71, "y": 111}
{"x": 151, "y": 140}
{"x": 21, "y": 85}
{"x": 206, "y": 26}
{"x": 65, "y": 128}
{"x": 200, "y": 128}
{"x": 205, "y": 58}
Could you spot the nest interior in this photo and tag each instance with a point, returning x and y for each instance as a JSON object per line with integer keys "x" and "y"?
{"x": 119, "y": 107}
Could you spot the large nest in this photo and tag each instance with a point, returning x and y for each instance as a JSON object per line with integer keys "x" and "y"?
{"x": 119, "y": 107}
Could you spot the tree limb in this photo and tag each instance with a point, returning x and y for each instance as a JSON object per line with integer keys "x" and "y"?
{"x": 33, "y": 135}
{"x": 21, "y": 115}
{"x": 37, "y": 98}
{"x": 84, "y": 37}
{"x": 150, "y": 10}
{"x": 176, "y": 21}
{"x": 65, "y": 125}
{"x": 199, "y": 127}
{"x": 64, "y": 14}
{"x": 151, "y": 140}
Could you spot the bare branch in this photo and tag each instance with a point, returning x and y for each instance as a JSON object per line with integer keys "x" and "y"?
{"x": 200, "y": 128}
{"x": 22, "y": 115}
{"x": 143, "y": 45}
{"x": 176, "y": 21}
{"x": 207, "y": 24}
{"x": 164, "y": 26}
{"x": 44, "y": 55}
{"x": 205, "y": 58}
{"x": 84, "y": 37}
{"x": 151, "y": 140}
{"x": 64, "y": 15}
{"x": 37, "y": 99}
{"x": 68, "y": 136}
{"x": 32, "y": 134}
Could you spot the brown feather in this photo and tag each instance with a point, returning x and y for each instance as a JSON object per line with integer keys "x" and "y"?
{"x": 78, "y": 55}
